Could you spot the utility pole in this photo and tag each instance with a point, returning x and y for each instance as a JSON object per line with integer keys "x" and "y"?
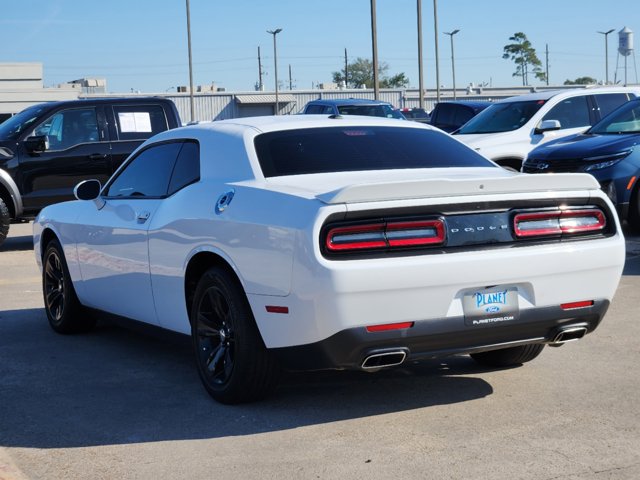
{"x": 435, "y": 29}
{"x": 260, "y": 84}
{"x": 420, "y": 76}
{"x": 275, "y": 64}
{"x": 190, "y": 63}
{"x": 346, "y": 69}
{"x": 546, "y": 52}
{"x": 290, "y": 80}
{"x": 374, "y": 47}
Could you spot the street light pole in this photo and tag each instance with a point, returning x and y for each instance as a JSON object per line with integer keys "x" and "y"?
{"x": 435, "y": 42}
{"x": 453, "y": 61}
{"x": 190, "y": 63}
{"x": 420, "y": 77}
{"x": 606, "y": 55}
{"x": 275, "y": 64}
{"x": 374, "y": 47}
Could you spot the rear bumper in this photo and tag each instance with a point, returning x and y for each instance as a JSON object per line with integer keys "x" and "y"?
{"x": 349, "y": 348}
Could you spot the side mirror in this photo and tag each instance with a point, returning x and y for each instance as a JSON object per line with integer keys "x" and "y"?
{"x": 548, "y": 125}
{"x": 37, "y": 144}
{"x": 90, "y": 190}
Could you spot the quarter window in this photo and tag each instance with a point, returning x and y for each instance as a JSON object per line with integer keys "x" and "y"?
{"x": 187, "y": 168}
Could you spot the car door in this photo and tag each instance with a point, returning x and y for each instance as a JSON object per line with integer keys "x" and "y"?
{"x": 78, "y": 149}
{"x": 113, "y": 242}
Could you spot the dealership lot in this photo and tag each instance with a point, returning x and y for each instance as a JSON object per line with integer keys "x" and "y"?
{"x": 119, "y": 403}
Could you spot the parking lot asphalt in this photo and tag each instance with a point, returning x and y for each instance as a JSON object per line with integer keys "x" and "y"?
{"x": 118, "y": 403}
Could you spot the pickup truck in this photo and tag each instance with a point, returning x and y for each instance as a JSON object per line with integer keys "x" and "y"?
{"x": 47, "y": 149}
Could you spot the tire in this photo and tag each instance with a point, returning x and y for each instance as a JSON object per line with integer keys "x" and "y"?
{"x": 5, "y": 220}
{"x": 64, "y": 312}
{"x": 232, "y": 360}
{"x": 508, "y": 357}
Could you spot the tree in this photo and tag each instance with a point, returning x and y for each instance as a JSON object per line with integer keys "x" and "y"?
{"x": 360, "y": 72}
{"x": 522, "y": 53}
{"x": 581, "y": 81}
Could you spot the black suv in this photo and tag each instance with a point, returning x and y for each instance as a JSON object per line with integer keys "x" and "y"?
{"x": 46, "y": 149}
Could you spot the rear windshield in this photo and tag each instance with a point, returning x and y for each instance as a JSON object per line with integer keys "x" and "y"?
{"x": 345, "y": 149}
{"x": 502, "y": 117}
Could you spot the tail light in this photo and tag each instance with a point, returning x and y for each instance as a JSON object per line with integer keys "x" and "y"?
{"x": 383, "y": 235}
{"x": 558, "y": 222}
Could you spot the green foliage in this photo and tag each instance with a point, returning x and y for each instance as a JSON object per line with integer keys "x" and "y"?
{"x": 522, "y": 53}
{"x": 360, "y": 72}
{"x": 581, "y": 81}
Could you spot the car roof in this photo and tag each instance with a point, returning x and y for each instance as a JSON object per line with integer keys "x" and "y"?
{"x": 470, "y": 103}
{"x": 274, "y": 123}
{"x": 347, "y": 101}
{"x": 102, "y": 100}
{"x": 573, "y": 92}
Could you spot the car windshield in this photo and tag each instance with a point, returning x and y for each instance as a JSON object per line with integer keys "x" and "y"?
{"x": 625, "y": 119}
{"x": 501, "y": 117}
{"x": 370, "y": 111}
{"x": 11, "y": 128}
{"x": 343, "y": 149}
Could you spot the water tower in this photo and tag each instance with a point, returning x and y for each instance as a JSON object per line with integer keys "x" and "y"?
{"x": 625, "y": 50}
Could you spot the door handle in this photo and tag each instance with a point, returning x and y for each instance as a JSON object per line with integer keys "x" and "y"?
{"x": 97, "y": 156}
{"x": 143, "y": 216}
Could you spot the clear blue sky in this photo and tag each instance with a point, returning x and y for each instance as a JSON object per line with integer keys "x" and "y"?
{"x": 142, "y": 45}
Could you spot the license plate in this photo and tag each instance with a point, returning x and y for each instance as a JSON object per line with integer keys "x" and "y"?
{"x": 490, "y": 306}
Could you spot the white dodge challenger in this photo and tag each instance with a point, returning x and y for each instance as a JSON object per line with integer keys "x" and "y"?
{"x": 315, "y": 242}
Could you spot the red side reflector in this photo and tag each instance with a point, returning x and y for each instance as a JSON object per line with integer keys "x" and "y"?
{"x": 572, "y": 305}
{"x": 277, "y": 309}
{"x": 631, "y": 181}
{"x": 389, "y": 326}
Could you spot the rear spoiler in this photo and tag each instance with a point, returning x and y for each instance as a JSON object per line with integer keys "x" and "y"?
{"x": 386, "y": 191}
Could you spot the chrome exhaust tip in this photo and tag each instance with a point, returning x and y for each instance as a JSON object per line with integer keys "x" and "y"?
{"x": 384, "y": 359}
{"x": 568, "y": 334}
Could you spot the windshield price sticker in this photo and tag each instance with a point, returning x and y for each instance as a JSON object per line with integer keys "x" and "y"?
{"x": 491, "y": 306}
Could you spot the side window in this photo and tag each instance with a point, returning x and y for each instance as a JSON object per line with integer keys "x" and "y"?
{"x": 68, "y": 128}
{"x": 327, "y": 109}
{"x": 314, "y": 109}
{"x": 445, "y": 114}
{"x": 148, "y": 174}
{"x": 463, "y": 115}
{"x": 608, "y": 102}
{"x": 187, "y": 169}
{"x": 571, "y": 113}
{"x": 139, "y": 122}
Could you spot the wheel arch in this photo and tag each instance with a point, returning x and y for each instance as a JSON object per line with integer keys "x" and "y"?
{"x": 197, "y": 266}
{"x": 45, "y": 238}
{"x": 10, "y": 194}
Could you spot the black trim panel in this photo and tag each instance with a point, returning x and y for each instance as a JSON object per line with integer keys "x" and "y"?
{"x": 434, "y": 338}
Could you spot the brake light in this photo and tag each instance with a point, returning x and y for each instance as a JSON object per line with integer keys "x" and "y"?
{"x": 385, "y": 235}
{"x": 558, "y": 222}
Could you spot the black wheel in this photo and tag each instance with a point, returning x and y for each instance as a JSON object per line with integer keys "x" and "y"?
{"x": 507, "y": 357}
{"x": 5, "y": 220}
{"x": 61, "y": 304}
{"x": 233, "y": 362}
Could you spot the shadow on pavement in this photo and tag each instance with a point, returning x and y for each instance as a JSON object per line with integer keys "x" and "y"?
{"x": 17, "y": 244}
{"x": 119, "y": 386}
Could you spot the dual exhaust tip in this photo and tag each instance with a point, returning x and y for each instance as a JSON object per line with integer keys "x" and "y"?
{"x": 568, "y": 334}
{"x": 389, "y": 358}
{"x": 392, "y": 358}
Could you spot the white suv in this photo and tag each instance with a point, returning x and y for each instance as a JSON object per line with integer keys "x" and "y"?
{"x": 509, "y": 129}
